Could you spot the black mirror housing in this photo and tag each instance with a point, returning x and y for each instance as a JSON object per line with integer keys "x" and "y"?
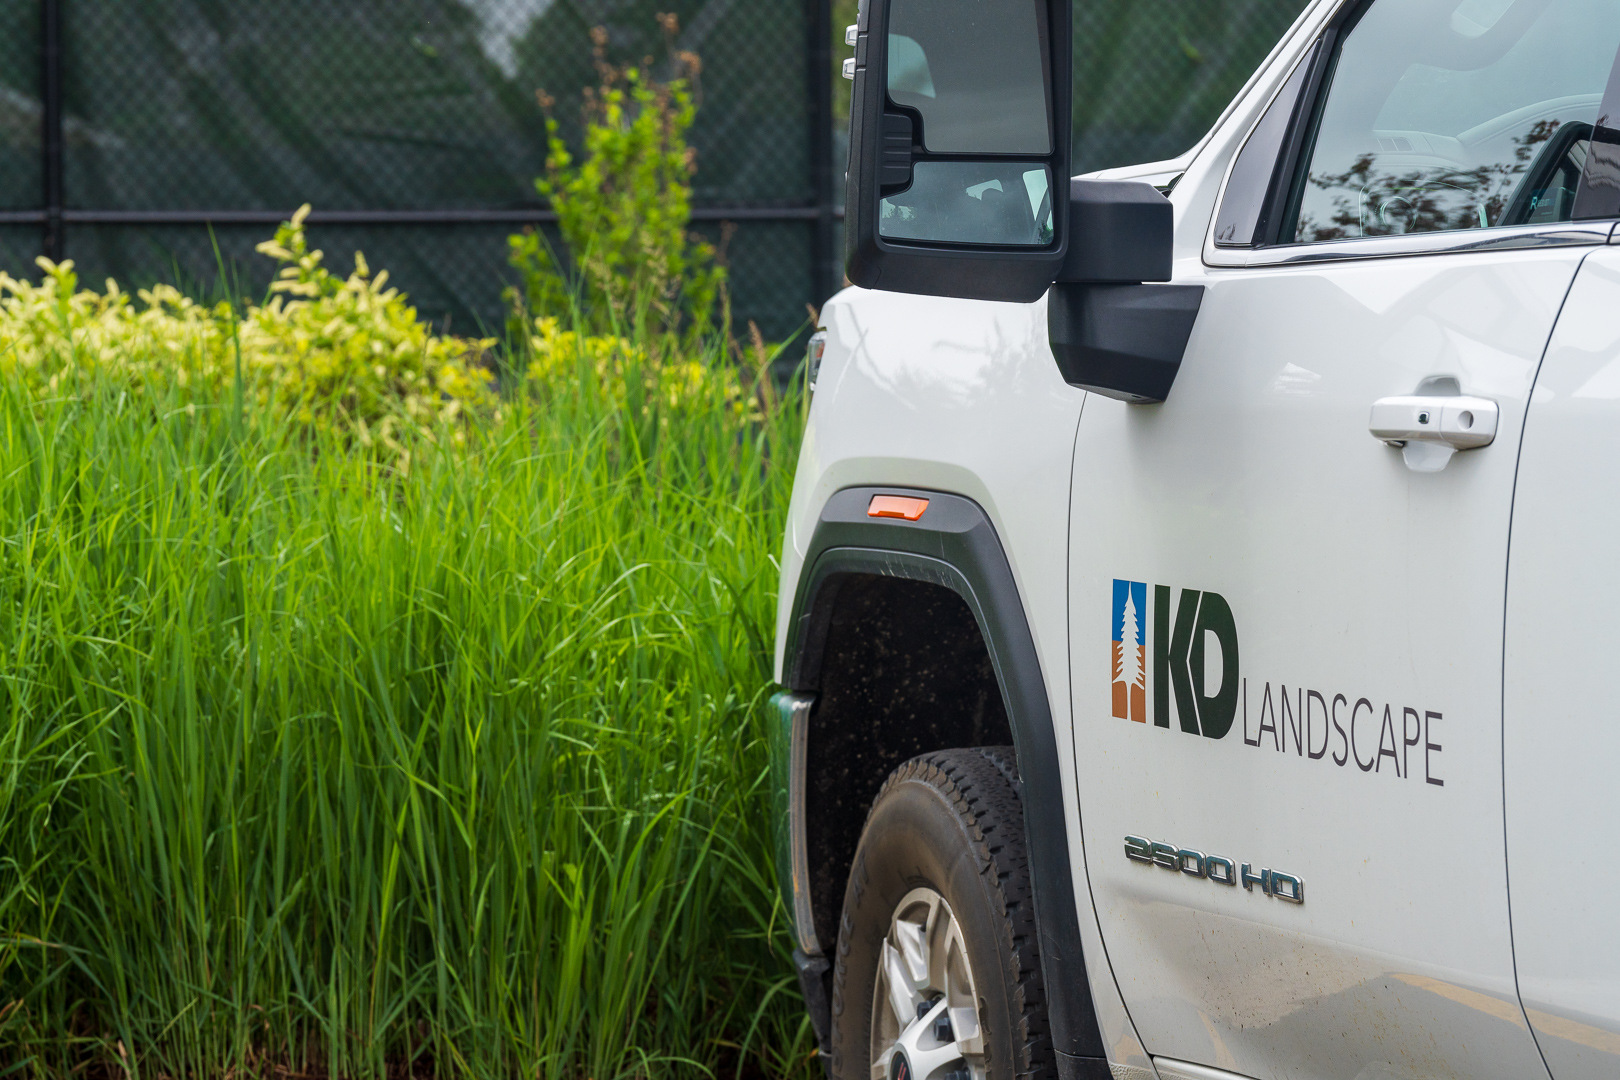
{"x": 1123, "y": 231}
{"x": 944, "y": 192}
{"x": 1122, "y": 341}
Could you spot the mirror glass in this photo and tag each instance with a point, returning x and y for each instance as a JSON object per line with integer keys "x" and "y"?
{"x": 975, "y": 70}
{"x": 1007, "y": 203}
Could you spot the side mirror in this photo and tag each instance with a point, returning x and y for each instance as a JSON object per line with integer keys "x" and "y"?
{"x": 959, "y": 186}
{"x": 959, "y": 147}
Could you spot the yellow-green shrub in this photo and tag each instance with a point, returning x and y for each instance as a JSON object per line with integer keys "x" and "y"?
{"x": 623, "y": 368}
{"x": 325, "y": 353}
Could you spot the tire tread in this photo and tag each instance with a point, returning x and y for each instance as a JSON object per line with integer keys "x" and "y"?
{"x": 981, "y": 786}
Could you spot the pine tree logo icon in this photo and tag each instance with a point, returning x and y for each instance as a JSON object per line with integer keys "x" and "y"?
{"x": 1129, "y": 654}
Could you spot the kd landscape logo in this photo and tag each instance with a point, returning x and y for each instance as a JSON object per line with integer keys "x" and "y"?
{"x": 1203, "y": 621}
{"x": 1190, "y": 640}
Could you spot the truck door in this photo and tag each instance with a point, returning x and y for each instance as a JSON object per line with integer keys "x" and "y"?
{"x": 1289, "y": 739}
{"x": 1561, "y": 742}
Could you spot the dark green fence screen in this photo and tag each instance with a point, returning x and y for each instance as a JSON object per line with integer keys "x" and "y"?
{"x": 136, "y": 135}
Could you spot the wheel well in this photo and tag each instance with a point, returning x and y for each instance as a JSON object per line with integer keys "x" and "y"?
{"x": 903, "y": 670}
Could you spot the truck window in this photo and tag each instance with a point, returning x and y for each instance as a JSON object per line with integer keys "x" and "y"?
{"x": 1444, "y": 115}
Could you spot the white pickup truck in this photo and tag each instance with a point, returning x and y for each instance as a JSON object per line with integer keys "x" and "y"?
{"x": 1202, "y": 580}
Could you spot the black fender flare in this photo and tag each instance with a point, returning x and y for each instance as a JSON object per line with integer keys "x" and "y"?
{"x": 954, "y": 544}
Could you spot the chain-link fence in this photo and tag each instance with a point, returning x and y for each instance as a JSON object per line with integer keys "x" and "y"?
{"x": 1151, "y": 76}
{"x": 161, "y": 139}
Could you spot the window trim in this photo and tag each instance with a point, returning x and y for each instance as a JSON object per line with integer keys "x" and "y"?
{"x": 1281, "y": 202}
{"x": 1599, "y": 193}
{"x": 1260, "y": 222}
{"x": 1287, "y": 185}
{"x": 1457, "y": 241}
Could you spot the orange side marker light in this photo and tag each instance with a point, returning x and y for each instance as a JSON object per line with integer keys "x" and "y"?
{"x": 896, "y": 506}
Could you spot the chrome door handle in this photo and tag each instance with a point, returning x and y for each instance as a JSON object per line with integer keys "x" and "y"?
{"x": 1429, "y": 428}
{"x": 1460, "y": 422}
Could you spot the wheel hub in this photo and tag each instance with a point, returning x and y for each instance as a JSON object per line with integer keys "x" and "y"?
{"x": 925, "y": 1015}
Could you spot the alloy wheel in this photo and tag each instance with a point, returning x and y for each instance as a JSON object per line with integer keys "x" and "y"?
{"x": 925, "y": 1011}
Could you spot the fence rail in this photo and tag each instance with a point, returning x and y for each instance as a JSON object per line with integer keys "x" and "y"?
{"x": 383, "y": 217}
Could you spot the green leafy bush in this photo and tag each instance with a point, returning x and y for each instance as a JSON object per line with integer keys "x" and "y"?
{"x": 623, "y": 209}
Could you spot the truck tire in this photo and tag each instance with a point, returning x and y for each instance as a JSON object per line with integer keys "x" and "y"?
{"x": 937, "y": 976}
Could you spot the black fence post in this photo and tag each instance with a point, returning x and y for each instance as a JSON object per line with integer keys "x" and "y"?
{"x": 825, "y": 274}
{"x": 51, "y": 123}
